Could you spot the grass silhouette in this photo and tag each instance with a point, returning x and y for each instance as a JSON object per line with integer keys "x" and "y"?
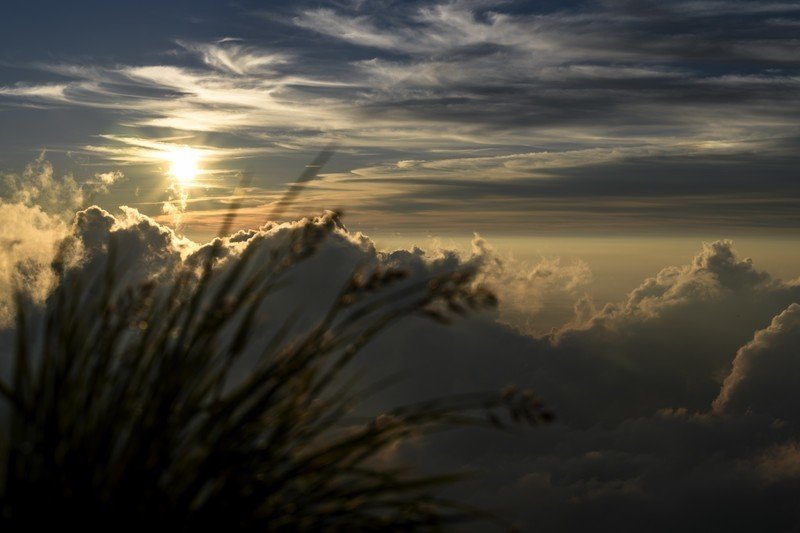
{"x": 123, "y": 411}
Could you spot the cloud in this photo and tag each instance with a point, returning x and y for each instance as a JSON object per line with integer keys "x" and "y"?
{"x": 670, "y": 343}
{"x": 359, "y": 30}
{"x": 780, "y": 463}
{"x": 36, "y": 206}
{"x": 37, "y": 185}
{"x": 600, "y": 73}
{"x": 53, "y": 92}
{"x": 229, "y": 56}
{"x": 688, "y": 109}
{"x": 676, "y": 404}
{"x": 572, "y": 190}
{"x": 109, "y": 178}
{"x": 764, "y": 374}
{"x": 29, "y": 238}
{"x": 640, "y": 436}
{"x": 533, "y": 295}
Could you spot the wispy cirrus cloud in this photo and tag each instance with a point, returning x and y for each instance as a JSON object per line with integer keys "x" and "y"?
{"x": 132, "y": 150}
{"x": 474, "y": 91}
{"x": 470, "y": 64}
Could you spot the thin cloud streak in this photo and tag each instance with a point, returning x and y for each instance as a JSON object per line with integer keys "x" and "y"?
{"x": 472, "y": 91}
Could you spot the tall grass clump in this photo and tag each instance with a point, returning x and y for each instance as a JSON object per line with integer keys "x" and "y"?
{"x": 124, "y": 410}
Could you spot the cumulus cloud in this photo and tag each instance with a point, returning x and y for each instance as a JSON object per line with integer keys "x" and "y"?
{"x": 37, "y": 185}
{"x": 765, "y": 371}
{"x": 673, "y": 404}
{"x": 672, "y": 338}
{"x": 634, "y": 383}
{"x": 36, "y": 206}
{"x": 534, "y": 296}
{"x": 780, "y": 462}
{"x": 29, "y": 238}
{"x": 109, "y": 178}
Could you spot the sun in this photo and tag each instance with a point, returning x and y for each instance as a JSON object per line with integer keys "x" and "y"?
{"x": 184, "y": 165}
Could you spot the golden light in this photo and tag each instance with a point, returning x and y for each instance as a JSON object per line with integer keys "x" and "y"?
{"x": 184, "y": 165}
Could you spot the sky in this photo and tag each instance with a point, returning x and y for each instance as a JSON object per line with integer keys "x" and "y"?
{"x": 451, "y": 116}
{"x": 622, "y": 173}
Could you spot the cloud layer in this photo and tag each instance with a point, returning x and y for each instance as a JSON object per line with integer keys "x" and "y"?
{"x": 676, "y": 404}
{"x": 579, "y": 113}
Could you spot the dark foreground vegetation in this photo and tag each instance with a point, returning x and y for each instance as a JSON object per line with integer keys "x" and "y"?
{"x": 123, "y": 410}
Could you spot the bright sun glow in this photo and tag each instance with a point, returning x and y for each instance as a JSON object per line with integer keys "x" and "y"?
{"x": 183, "y": 165}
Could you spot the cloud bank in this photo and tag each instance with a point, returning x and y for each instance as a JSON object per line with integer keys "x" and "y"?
{"x": 675, "y": 404}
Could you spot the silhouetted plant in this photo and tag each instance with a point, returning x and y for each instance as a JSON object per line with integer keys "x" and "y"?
{"x": 124, "y": 413}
